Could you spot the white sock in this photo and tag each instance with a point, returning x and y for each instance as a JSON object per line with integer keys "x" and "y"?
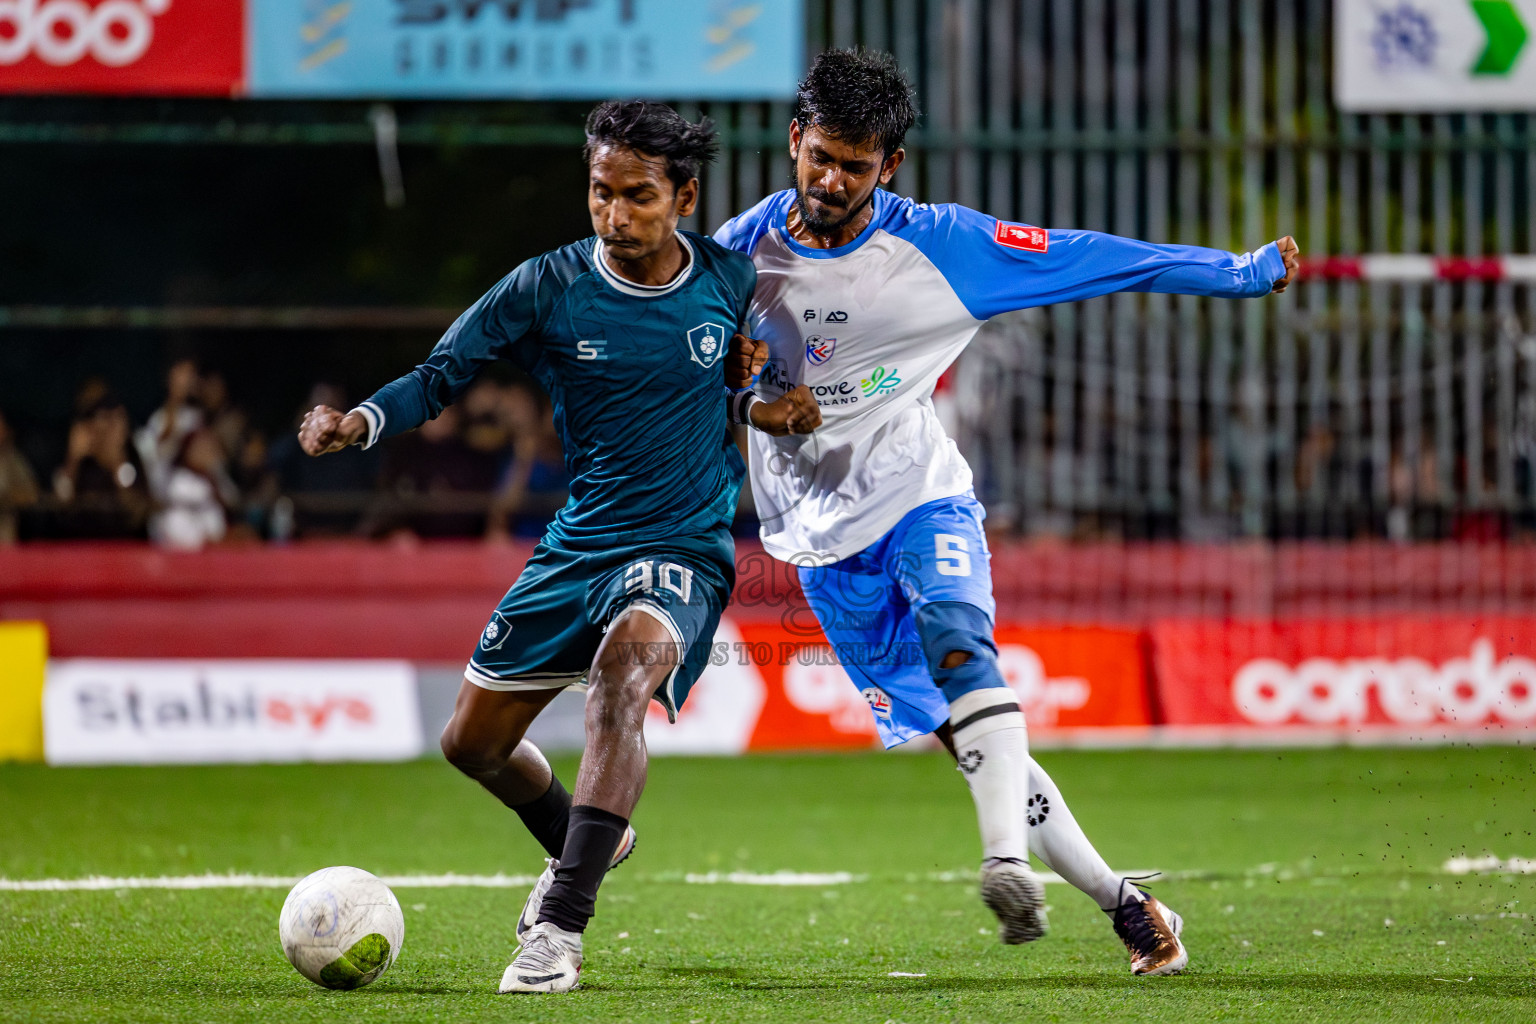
{"x": 1059, "y": 842}
{"x": 993, "y": 750}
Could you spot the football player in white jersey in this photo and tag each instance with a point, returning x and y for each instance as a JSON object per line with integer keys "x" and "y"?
{"x": 866, "y": 298}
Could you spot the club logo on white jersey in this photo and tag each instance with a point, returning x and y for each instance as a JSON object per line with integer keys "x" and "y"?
{"x": 496, "y": 632}
{"x": 62, "y": 32}
{"x": 1022, "y": 236}
{"x": 818, "y": 349}
{"x": 706, "y": 344}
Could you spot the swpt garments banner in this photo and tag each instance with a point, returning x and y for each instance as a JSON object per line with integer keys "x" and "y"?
{"x": 576, "y": 49}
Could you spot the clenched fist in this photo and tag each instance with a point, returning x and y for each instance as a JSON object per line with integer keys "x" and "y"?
{"x": 796, "y": 412}
{"x": 744, "y": 361}
{"x": 1290, "y": 253}
{"x": 329, "y": 430}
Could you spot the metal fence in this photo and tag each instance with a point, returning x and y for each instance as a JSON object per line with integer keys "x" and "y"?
{"x": 1344, "y": 408}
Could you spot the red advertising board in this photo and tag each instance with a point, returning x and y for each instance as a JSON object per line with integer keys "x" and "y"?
{"x": 1065, "y": 678}
{"x": 1400, "y": 673}
{"x": 150, "y": 47}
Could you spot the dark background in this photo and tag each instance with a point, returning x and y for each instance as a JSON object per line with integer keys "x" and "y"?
{"x": 207, "y": 223}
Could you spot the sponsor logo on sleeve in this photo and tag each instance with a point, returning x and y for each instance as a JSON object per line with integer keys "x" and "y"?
{"x": 1022, "y": 237}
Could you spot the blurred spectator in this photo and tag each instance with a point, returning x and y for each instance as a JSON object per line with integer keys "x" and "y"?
{"x": 488, "y": 433}
{"x": 197, "y": 491}
{"x": 18, "y": 485}
{"x": 535, "y": 484}
{"x": 328, "y": 496}
{"x": 101, "y": 485}
{"x": 425, "y": 471}
{"x": 229, "y": 423}
{"x": 160, "y": 439}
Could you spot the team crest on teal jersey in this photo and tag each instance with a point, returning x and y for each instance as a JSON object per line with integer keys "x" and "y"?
{"x": 706, "y": 343}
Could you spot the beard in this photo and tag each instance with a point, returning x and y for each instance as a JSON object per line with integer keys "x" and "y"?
{"x": 830, "y": 223}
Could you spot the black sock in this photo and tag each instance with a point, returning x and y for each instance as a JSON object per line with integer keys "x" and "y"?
{"x": 590, "y": 840}
{"x": 547, "y": 816}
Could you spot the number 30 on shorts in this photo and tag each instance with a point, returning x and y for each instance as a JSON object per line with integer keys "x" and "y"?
{"x": 649, "y": 575}
{"x": 952, "y": 553}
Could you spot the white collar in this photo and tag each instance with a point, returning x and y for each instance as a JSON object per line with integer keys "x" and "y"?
{"x": 643, "y": 291}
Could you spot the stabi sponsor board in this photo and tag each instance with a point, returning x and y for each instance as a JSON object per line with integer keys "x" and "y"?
{"x": 515, "y": 49}
{"x": 98, "y": 711}
{"x": 1466, "y": 675}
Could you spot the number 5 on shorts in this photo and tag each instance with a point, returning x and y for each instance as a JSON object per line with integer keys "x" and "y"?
{"x": 952, "y": 553}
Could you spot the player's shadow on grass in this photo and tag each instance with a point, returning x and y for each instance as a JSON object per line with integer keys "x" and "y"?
{"x": 1513, "y": 984}
{"x": 747, "y": 979}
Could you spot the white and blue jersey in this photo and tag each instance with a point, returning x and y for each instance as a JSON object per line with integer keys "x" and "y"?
{"x": 869, "y": 327}
{"x": 875, "y": 507}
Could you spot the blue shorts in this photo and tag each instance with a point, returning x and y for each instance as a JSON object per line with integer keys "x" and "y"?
{"x": 546, "y": 631}
{"x": 865, "y": 603}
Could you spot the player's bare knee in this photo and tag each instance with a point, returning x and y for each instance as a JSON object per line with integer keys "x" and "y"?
{"x": 616, "y": 699}
{"x": 471, "y": 754}
{"x": 954, "y": 659}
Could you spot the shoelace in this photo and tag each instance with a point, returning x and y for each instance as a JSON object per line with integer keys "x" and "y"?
{"x": 1134, "y": 926}
{"x": 542, "y": 952}
{"x": 1132, "y": 922}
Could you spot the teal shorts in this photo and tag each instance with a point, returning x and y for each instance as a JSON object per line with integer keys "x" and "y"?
{"x": 546, "y": 631}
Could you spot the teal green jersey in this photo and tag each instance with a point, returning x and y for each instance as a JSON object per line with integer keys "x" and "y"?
{"x": 635, "y": 376}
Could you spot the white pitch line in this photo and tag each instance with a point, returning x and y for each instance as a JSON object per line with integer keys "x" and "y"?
{"x": 777, "y": 878}
{"x": 1490, "y": 865}
{"x": 97, "y": 883}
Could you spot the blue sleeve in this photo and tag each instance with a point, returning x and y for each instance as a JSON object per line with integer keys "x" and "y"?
{"x": 496, "y": 327}
{"x": 742, "y": 231}
{"x": 995, "y": 267}
{"x": 746, "y": 284}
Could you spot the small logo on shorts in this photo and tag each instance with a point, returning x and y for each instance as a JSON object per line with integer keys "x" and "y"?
{"x": 970, "y": 761}
{"x": 879, "y": 702}
{"x": 496, "y": 632}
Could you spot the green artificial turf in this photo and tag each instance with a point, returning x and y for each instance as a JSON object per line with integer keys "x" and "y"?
{"x": 1311, "y": 883}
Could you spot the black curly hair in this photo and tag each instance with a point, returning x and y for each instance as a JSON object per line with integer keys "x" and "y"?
{"x": 654, "y": 129}
{"x": 858, "y": 96}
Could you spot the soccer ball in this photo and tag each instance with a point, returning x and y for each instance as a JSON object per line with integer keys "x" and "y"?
{"x": 341, "y": 927}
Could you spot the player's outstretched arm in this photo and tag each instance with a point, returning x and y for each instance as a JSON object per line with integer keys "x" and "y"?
{"x": 1290, "y": 253}
{"x": 330, "y": 430}
{"x": 796, "y": 412}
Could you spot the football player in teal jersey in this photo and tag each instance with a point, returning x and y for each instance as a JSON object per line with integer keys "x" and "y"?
{"x": 626, "y": 331}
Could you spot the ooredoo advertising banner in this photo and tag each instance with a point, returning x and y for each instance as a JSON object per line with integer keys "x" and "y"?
{"x": 1404, "y": 674}
{"x": 155, "y": 47}
{"x": 98, "y": 711}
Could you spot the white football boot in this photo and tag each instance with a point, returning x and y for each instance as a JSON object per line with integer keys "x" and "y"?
{"x": 549, "y": 960}
{"x": 1012, "y": 892}
{"x": 530, "y": 914}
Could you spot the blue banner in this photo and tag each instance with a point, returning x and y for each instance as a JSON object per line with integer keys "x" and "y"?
{"x": 559, "y": 49}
